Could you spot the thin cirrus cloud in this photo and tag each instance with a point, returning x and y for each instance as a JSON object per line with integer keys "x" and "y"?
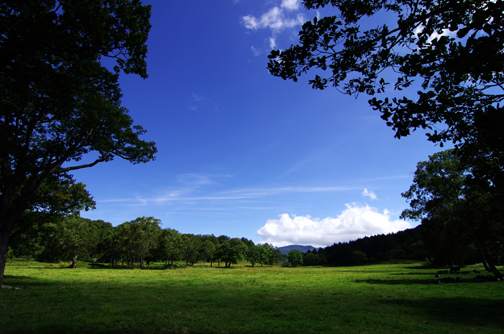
{"x": 193, "y": 182}
{"x": 354, "y": 222}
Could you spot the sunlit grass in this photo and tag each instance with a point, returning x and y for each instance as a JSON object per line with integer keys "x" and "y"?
{"x": 376, "y": 299}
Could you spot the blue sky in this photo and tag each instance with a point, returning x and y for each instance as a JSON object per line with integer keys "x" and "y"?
{"x": 246, "y": 154}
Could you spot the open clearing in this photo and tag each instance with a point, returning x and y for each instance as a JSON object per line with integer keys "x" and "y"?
{"x": 385, "y": 298}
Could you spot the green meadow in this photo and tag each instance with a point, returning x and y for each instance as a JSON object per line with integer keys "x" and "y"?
{"x": 384, "y": 298}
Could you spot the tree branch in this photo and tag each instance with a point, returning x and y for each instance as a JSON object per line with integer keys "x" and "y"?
{"x": 67, "y": 169}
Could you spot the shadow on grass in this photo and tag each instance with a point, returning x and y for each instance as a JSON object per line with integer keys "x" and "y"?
{"x": 464, "y": 274}
{"x": 16, "y": 277}
{"x": 465, "y": 311}
{"x": 424, "y": 281}
{"x": 396, "y": 281}
{"x": 25, "y": 282}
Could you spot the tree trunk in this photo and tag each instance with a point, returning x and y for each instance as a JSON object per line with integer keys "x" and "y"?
{"x": 4, "y": 247}
{"x": 488, "y": 259}
{"x": 485, "y": 264}
{"x": 74, "y": 261}
{"x": 6, "y": 227}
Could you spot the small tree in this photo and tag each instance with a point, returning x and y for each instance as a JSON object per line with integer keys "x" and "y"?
{"x": 190, "y": 248}
{"x": 232, "y": 251}
{"x": 169, "y": 246}
{"x": 295, "y": 258}
{"x": 207, "y": 251}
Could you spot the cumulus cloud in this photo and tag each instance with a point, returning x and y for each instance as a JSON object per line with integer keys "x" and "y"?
{"x": 353, "y": 223}
{"x": 369, "y": 194}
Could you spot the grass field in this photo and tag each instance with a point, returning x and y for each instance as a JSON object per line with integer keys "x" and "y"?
{"x": 385, "y": 298}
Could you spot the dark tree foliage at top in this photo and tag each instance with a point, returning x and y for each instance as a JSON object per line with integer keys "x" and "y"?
{"x": 450, "y": 51}
{"x": 453, "y": 48}
{"x": 57, "y": 101}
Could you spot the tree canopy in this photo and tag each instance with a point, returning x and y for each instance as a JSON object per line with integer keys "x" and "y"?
{"x": 454, "y": 213}
{"x": 59, "y": 101}
{"x": 295, "y": 257}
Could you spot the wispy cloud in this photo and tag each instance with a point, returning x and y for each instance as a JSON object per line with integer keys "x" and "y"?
{"x": 197, "y": 97}
{"x": 192, "y": 185}
{"x": 255, "y": 51}
{"x": 353, "y": 223}
{"x": 264, "y": 192}
{"x": 369, "y": 193}
{"x": 277, "y": 19}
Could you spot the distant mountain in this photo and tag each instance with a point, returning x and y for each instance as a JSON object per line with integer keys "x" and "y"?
{"x": 303, "y": 249}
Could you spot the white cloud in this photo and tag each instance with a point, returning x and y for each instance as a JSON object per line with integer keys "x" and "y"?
{"x": 277, "y": 19}
{"x": 272, "y": 43}
{"x": 291, "y": 4}
{"x": 446, "y": 32}
{"x": 274, "y": 19}
{"x": 193, "y": 184}
{"x": 369, "y": 194}
{"x": 353, "y": 223}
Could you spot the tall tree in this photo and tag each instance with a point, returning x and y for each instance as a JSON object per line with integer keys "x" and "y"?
{"x": 170, "y": 245}
{"x": 454, "y": 212}
{"x": 232, "y": 251}
{"x": 137, "y": 238}
{"x": 207, "y": 251}
{"x": 190, "y": 248}
{"x": 253, "y": 254}
{"x": 58, "y": 102}
{"x": 67, "y": 238}
{"x": 53, "y": 201}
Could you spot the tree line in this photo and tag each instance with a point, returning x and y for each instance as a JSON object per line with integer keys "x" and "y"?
{"x": 142, "y": 241}
{"x": 137, "y": 242}
{"x": 405, "y": 244}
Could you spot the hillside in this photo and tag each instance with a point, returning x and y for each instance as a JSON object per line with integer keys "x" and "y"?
{"x": 303, "y": 249}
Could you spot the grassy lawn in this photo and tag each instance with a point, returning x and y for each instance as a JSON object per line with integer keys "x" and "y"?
{"x": 374, "y": 299}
